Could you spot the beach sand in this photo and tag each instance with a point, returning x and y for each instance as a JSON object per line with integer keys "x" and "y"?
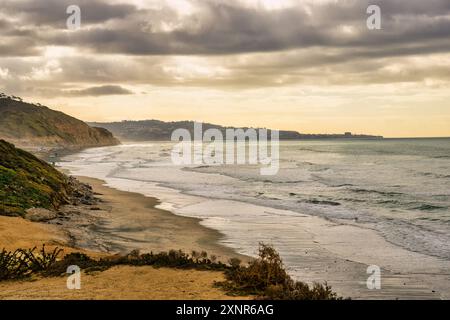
{"x": 20, "y": 233}
{"x": 108, "y": 228}
{"x": 125, "y": 221}
{"x": 123, "y": 283}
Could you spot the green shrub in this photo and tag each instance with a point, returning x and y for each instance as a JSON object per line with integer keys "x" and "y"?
{"x": 22, "y": 263}
{"x": 267, "y": 278}
{"x": 172, "y": 259}
{"x": 78, "y": 259}
{"x": 42, "y": 260}
{"x": 13, "y": 265}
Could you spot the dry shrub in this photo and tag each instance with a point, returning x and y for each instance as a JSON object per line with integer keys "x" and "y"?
{"x": 267, "y": 278}
{"x": 22, "y": 263}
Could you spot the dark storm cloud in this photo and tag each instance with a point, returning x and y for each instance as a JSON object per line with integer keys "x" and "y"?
{"x": 310, "y": 43}
{"x": 53, "y": 12}
{"x": 26, "y": 24}
{"x": 229, "y": 28}
{"x": 222, "y": 28}
{"x": 100, "y": 91}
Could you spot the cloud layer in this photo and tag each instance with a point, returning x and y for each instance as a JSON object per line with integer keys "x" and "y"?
{"x": 221, "y": 45}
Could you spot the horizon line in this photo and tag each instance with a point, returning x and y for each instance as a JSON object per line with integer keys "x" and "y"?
{"x": 305, "y": 133}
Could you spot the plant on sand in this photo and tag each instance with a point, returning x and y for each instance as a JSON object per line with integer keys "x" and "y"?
{"x": 267, "y": 278}
{"x": 42, "y": 260}
{"x": 22, "y": 263}
{"x": 13, "y": 265}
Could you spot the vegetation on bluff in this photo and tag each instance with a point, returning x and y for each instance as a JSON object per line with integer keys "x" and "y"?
{"x": 264, "y": 277}
{"x": 30, "y": 124}
{"x": 27, "y": 182}
{"x": 22, "y": 263}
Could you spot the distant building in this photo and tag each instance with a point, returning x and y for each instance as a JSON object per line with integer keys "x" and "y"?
{"x": 348, "y": 134}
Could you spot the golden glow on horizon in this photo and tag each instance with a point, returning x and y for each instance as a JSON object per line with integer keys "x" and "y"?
{"x": 311, "y": 66}
{"x": 326, "y": 111}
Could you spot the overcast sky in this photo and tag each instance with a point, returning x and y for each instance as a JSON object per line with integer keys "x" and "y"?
{"x": 311, "y": 66}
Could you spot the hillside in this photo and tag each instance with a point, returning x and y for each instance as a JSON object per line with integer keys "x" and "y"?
{"x": 148, "y": 130}
{"x": 26, "y": 182}
{"x": 27, "y": 124}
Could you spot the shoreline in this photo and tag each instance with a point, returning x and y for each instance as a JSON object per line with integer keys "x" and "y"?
{"x": 324, "y": 250}
{"x": 124, "y": 221}
{"x": 209, "y": 241}
{"x": 70, "y": 232}
{"x": 341, "y": 253}
{"x": 343, "y": 264}
{"x": 131, "y": 217}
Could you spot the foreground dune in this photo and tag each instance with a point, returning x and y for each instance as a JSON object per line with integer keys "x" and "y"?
{"x": 123, "y": 283}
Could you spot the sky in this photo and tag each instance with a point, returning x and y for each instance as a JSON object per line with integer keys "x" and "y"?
{"x": 309, "y": 66}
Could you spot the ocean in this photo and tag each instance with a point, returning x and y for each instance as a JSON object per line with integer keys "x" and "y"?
{"x": 398, "y": 188}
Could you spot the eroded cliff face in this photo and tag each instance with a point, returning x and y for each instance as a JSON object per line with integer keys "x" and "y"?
{"x": 32, "y": 188}
{"x": 28, "y": 182}
{"x": 26, "y": 124}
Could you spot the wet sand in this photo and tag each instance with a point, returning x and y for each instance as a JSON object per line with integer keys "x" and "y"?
{"x": 341, "y": 255}
{"x": 318, "y": 250}
{"x": 127, "y": 221}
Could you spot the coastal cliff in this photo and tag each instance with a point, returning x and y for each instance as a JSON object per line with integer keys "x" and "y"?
{"x": 28, "y": 184}
{"x": 26, "y": 124}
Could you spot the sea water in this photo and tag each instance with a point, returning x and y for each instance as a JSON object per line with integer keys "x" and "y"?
{"x": 398, "y": 187}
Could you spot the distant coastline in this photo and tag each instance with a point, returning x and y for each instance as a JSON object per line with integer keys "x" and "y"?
{"x": 156, "y": 130}
{"x": 415, "y": 138}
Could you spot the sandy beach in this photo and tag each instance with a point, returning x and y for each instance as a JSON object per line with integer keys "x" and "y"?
{"x": 105, "y": 229}
{"x": 125, "y": 221}
{"x": 123, "y": 283}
